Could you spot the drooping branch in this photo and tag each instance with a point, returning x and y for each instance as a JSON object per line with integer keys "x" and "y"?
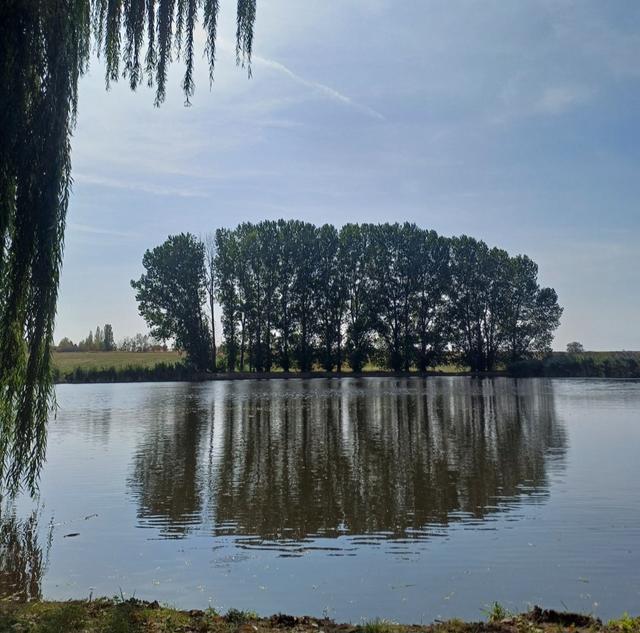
{"x": 44, "y": 49}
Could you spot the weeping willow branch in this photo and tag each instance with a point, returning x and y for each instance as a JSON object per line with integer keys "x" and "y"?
{"x": 45, "y": 47}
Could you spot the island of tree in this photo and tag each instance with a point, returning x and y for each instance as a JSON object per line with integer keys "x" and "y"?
{"x": 293, "y": 295}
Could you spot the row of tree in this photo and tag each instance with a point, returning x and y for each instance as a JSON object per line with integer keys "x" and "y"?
{"x": 101, "y": 341}
{"x": 293, "y": 295}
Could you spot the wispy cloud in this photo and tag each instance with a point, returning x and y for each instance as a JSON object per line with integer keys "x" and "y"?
{"x": 318, "y": 87}
{"x": 559, "y": 99}
{"x": 97, "y": 230}
{"x": 526, "y": 95}
{"x": 138, "y": 186}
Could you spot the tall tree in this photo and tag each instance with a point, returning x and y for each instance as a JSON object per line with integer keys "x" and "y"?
{"x": 44, "y": 49}
{"x": 225, "y": 279}
{"x": 286, "y": 263}
{"x": 290, "y": 291}
{"x": 432, "y": 325}
{"x": 393, "y": 263}
{"x": 531, "y": 313}
{"x": 267, "y": 260}
{"x": 108, "y": 344}
{"x": 354, "y": 250}
{"x": 304, "y": 291}
{"x": 98, "y": 340}
{"x": 469, "y": 292}
{"x": 210, "y": 280}
{"x": 330, "y": 298}
{"x": 171, "y": 295}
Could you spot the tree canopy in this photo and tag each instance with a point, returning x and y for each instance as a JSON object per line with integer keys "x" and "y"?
{"x": 45, "y": 47}
{"x": 296, "y": 295}
{"x": 171, "y": 294}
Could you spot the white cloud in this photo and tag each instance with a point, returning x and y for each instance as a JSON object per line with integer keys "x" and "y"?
{"x": 138, "y": 186}
{"x": 558, "y": 99}
{"x": 320, "y": 88}
{"x": 96, "y": 230}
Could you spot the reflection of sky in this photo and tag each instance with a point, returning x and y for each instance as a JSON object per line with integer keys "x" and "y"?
{"x": 515, "y": 123}
{"x": 572, "y": 540}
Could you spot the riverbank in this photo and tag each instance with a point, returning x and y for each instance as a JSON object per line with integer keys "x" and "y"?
{"x": 136, "y": 616}
{"x": 116, "y": 367}
{"x": 583, "y": 365}
{"x": 179, "y": 373}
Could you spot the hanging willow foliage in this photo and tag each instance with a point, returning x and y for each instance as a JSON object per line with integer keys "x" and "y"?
{"x": 45, "y": 47}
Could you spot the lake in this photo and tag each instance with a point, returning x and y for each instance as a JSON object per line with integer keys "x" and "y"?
{"x": 410, "y": 499}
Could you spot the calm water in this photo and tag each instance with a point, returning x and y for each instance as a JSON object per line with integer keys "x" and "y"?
{"x": 408, "y": 499}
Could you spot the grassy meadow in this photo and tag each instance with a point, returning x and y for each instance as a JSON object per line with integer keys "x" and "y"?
{"x": 143, "y": 366}
{"x": 68, "y": 361}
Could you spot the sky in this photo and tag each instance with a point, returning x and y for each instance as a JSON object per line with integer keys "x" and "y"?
{"x": 515, "y": 122}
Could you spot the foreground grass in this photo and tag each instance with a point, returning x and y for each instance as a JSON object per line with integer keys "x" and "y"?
{"x": 135, "y": 616}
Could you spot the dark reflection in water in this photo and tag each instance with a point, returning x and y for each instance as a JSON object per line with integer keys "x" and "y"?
{"x": 165, "y": 474}
{"x": 23, "y": 558}
{"x": 286, "y": 495}
{"x": 286, "y": 461}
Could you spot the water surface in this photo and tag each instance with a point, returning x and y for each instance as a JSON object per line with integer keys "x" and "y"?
{"x": 411, "y": 499}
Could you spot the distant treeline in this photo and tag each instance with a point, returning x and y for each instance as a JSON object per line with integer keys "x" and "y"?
{"x": 102, "y": 341}
{"x": 580, "y": 365}
{"x": 293, "y": 295}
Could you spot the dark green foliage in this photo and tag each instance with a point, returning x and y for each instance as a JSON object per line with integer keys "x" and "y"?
{"x": 160, "y": 372}
{"x": 236, "y": 616}
{"x": 171, "y": 295}
{"x": 596, "y": 365}
{"x": 108, "y": 343}
{"x": 496, "y": 306}
{"x": 393, "y": 260}
{"x": 432, "y": 282}
{"x": 101, "y": 341}
{"x": 305, "y": 285}
{"x": 575, "y": 348}
{"x": 330, "y": 299}
{"x": 66, "y": 345}
{"x": 44, "y": 49}
{"x": 354, "y": 252}
{"x": 404, "y": 297}
{"x": 527, "y": 368}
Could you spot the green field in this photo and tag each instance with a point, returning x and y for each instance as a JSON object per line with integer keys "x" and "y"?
{"x": 68, "y": 361}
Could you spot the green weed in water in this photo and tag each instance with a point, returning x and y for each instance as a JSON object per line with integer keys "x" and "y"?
{"x": 626, "y": 624}
{"x": 236, "y": 616}
{"x": 376, "y": 626}
{"x": 496, "y": 612}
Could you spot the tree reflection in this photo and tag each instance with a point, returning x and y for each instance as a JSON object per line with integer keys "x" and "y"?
{"x": 165, "y": 473}
{"x": 23, "y": 560}
{"x": 296, "y": 459}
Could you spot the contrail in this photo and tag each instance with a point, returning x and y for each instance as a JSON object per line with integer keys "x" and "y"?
{"x": 318, "y": 87}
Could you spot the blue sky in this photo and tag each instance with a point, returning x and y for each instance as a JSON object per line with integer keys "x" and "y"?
{"x": 515, "y": 122}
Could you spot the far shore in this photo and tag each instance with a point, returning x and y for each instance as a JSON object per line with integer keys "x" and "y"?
{"x": 124, "y": 367}
{"x": 275, "y": 375}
